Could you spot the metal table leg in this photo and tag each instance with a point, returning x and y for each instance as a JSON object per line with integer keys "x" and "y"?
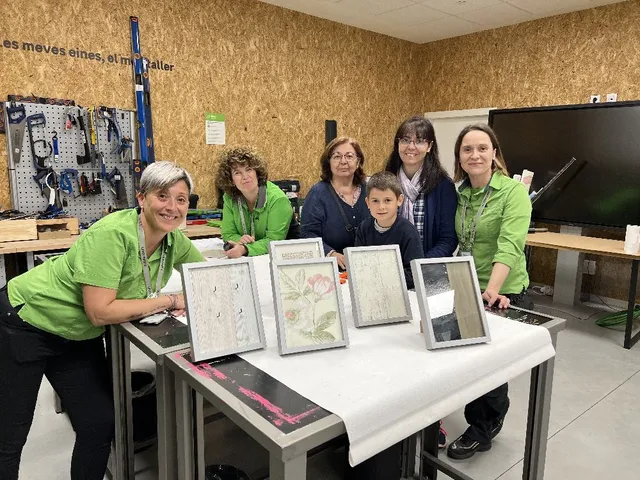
{"x": 184, "y": 430}
{"x": 630, "y": 341}
{"x": 535, "y": 448}
{"x": 30, "y": 260}
{"x": 121, "y": 465}
{"x": 165, "y": 405}
{"x": 293, "y": 469}
{"x": 199, "y": 434}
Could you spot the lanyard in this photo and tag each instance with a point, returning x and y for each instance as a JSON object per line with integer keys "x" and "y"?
{"x": 468, "y": 238}
{"x": 145, "y": 262}
{"x": 242, "y": 220}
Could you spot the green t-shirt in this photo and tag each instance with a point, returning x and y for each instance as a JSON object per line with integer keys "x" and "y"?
{"x": 106, "y": 255}
{"x": 501, "y": 231}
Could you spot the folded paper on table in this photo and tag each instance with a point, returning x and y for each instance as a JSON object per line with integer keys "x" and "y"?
{"x": 386, "y": 386}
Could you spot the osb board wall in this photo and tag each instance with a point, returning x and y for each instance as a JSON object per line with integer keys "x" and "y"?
{"x": 552, "y": 61}
{"x": 276, "y": 74}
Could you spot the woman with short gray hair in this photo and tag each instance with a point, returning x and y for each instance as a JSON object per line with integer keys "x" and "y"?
{"x": 52, "y": 317}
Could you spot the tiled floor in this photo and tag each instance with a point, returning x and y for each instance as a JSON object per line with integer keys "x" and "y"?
{"x": 593, "y": 431}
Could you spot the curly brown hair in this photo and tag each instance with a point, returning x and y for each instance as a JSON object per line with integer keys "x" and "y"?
{"x": 325, "y": 159}
{"x": 239, "y": 156}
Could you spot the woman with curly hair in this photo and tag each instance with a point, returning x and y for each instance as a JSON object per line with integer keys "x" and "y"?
{"x": 255, "y": 211}
{"x": 335, "y": 206}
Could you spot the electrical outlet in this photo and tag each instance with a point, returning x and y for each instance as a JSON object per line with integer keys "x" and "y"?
{"x": 612, "y": 97}
{"x": 594, "y": 99}
{"x": 592, "y": 267}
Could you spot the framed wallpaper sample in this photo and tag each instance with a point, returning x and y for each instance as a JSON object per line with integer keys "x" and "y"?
{"x": 377, "y": 285}
{"x": 308, "y": 305}
{"x": 300, "y": 249}
{"x": 223, "y": 309}
{"x": 450, "y": 301}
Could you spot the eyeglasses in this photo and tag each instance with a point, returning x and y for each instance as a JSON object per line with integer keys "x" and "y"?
{"x": 420, "y": 142}
{"x": 349, "y": 157}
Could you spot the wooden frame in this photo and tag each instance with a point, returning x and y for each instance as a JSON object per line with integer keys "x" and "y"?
{"x": 377, "y": 285}
{"x": 299, "y": 249}
{"x": 450, "y": 301}
{"x": 223, "y": 308}
{"x": 308, "y": 305}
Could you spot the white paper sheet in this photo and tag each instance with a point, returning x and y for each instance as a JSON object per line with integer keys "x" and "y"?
{"x": 386, "y": 385}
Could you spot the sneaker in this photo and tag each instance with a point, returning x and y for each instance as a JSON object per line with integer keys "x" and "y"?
{"x": 463, "y": 448}
{"x": 442, "y": 437}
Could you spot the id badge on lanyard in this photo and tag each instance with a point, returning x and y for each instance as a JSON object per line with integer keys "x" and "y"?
{"x": 469, "y": 237}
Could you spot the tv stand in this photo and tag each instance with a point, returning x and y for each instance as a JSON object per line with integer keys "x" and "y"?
{"x": 578, "y": 245}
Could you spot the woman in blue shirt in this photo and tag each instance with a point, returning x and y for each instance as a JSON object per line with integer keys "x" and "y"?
{"x": 335, "y": 206}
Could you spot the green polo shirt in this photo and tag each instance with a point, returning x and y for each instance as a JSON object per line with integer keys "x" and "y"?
{"x": 106, "y": 255}
{"x": 271, "y": 218}
{"x": 501, "y": 232}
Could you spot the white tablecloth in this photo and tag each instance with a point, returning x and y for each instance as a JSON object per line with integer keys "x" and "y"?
{"x": 386, "y": 385}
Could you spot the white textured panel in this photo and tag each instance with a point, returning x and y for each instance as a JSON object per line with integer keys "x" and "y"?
{"x": 375, "y": 7}
{"x": 393, "y": 17}
{"x": 454, "y": 7}
{"x": 380, "y": 285}
{"x": 412, "y": 15}
{"x": 444, "y": 28}
{"x": 554, "y": 7}
{"x": 497, "y": 15}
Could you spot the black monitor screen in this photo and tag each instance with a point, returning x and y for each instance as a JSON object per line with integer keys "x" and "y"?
{"x": 603, "y": 187}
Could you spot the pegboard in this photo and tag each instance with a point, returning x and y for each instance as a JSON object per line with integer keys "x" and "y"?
{"x": 25, "y": 191}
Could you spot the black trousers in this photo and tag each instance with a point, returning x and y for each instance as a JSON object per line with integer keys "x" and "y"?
{"x": 484, "y": 413}
{"x": 79, "y": 374}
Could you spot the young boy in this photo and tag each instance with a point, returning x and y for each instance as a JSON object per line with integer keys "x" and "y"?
{"x": 385, "y": 227}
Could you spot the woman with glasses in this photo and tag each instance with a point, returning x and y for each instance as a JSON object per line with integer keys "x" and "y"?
{"x": 255, "y": 211}
{"x": 429, "y": 194}
{"x": 335, "y": 206}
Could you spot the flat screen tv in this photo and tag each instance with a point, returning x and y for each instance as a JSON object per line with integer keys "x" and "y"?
{"x": 601, "y": 188}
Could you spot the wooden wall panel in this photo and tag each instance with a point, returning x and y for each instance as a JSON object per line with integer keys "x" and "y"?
{"x": 275, "y": 73}
{"x": 552, "y": 61}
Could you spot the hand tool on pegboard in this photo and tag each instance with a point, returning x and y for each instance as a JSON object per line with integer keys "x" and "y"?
{"x": 16, "y": 117}
{"x": 56, "y": 150}
{"x": 33, "y": 121}
{"x": 117, "y": 187}
{"x": 84, "y": 135}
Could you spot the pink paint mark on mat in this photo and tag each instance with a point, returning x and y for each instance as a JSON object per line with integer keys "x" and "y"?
{"x": 213, "y": 371}
{"x": 203, "y": 369}
{"x": 277, "y": 411}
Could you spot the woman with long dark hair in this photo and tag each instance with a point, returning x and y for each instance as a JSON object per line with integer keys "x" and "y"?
{"x": 429, "y": 194}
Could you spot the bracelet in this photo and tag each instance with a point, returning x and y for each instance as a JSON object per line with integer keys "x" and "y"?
{"x": 174, "y": 301}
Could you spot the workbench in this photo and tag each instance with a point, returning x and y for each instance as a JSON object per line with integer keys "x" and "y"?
{"x": 596, "y": 246}
{"x": 29, "y": 247}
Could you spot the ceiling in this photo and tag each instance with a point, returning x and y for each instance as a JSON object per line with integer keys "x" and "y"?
{"x": 422, "y": 21}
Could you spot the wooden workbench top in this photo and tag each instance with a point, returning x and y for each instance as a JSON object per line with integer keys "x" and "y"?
{"x": 192, "y": 231}
{"x": 563, "y": 241}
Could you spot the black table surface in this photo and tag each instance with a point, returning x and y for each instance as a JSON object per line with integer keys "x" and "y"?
{"x": 272, "y": 400}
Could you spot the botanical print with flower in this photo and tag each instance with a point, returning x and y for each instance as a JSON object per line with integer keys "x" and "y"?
{"x": 310, "y": 305}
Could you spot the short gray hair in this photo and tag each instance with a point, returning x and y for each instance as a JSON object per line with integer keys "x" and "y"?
{"x": 162, "y": 175}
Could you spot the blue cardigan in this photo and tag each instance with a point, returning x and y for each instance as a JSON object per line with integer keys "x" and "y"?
{"x": 439, "y": 238}
{"x": 321, "y": 217}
